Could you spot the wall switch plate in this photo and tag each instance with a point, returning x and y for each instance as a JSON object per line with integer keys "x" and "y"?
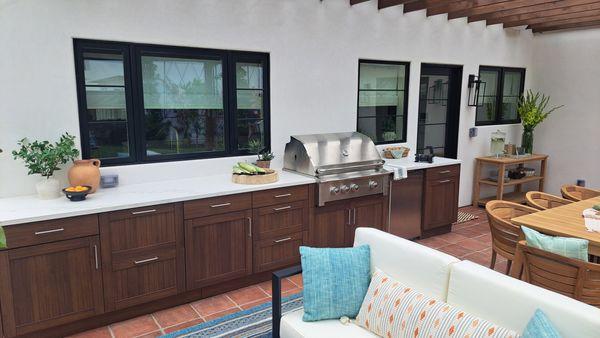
{"x": 473, "y": 132}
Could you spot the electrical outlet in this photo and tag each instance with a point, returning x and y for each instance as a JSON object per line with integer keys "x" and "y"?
{"x": 581, "y": 182}
{"x": 473, "y": 132}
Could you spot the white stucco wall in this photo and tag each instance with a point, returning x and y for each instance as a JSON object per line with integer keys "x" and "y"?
{"x": 566, "y": 68}
{"x": 314, "y": 50}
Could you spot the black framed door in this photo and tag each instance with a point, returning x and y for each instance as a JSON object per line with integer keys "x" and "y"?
{"x": 439, "y": 109}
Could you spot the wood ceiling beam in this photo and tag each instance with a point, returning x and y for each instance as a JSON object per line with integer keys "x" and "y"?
{"x": 580, "y": 20}
{"x": 590, "y": 10}
{"x": 424, "y": 4}
{"x": 381, "y": 4}
{"x": 496, "y": 7}
{"x": 356, "y": 2}
{"x": 461, "y": 5}
{"x": 527, "y": 12}
{"x": 568, "y": 26}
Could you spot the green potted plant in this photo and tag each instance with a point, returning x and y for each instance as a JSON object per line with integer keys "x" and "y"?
{"x": 43, "y": 158}
{"x": 264, "y": 159}
{"x": 532, "y": 108}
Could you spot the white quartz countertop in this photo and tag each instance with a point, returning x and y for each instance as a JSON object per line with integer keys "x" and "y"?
{"x": 409, "y": 163}
{"x": 25, "y": 209}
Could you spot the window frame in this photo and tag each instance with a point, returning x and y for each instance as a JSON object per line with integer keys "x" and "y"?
{"x": 500, "y": 94}
{"x": 134, "y": 97}
{"x": 406, "y": 64}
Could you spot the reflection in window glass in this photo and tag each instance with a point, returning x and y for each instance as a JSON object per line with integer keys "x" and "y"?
{"x": 249, "y": 103}
{"x": 486, "y": 112}
{"x": 183, "y": 104}
{"x": 106, "y": 107}
{"x": 381, "y": 101}
{"x": 510, "y": 95}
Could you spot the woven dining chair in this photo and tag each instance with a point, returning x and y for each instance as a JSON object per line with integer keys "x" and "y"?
{"x": 571, "y": 277}
{"x": 577, "y": 193}
{"x": 505, "y": 235}
{"x": 543, "y": 201}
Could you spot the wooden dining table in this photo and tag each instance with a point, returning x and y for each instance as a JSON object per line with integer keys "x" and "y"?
{"x": 565, "y": 221}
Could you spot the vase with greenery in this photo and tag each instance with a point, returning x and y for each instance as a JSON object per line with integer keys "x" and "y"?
{"x": 43, "y": 158}
{"x": 533, "y": 110}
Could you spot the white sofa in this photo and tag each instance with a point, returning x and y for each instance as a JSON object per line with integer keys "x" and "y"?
{"x": 478, "y": 290}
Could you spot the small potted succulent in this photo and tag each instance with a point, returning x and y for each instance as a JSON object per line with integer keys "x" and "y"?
{"x": 255, "y": 146}
{"x": 43, "y": 158}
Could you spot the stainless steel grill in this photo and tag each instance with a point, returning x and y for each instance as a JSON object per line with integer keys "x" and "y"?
{"x": 346, "y": 165}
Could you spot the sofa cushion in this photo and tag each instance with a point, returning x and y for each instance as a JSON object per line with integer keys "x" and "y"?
{"x": 425, "y": 269}
{"x": 335, "y": 281}
{"x": 576, "y": 248}
{"x": 292, "y": 326}
{"x": 392, "y": 309}
{"x": 540, "y": 326}
{"x": 510, "y": 303}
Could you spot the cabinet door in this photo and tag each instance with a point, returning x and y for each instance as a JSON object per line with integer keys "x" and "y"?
{"x": 367, "y": 212}
{"x": 218, "y": 248}
{"x": 330, "y": 225}
{"x": 143, "y": 255}
{"x": 277, "y": 252}
{"x": 407, "y": 206}
{"x": 50, "y": 284}
{"x": 440, "y": 203}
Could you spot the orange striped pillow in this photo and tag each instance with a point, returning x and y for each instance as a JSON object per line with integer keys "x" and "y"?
{"x": 391, "y": 309}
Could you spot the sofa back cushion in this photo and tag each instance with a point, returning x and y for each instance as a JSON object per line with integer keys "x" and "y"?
{"x": 391, "y": 309}
{"x": 510, "y": 303}
{"x": 413, "y": 264}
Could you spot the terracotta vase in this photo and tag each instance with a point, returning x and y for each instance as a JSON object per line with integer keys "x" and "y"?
{"x": 263, "y": 164}
{"x": 85, "y": 172}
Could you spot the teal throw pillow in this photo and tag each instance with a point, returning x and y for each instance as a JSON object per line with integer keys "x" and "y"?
{"x": 540, "y": 326}
{"x": 335, "y": 281}
{"x": 565, "y": 246}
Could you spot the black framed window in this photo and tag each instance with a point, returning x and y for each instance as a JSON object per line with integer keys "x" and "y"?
{"x": 503, "y": 87}
{"x": 148, "y": 103}
{"x": 383, "y": 100}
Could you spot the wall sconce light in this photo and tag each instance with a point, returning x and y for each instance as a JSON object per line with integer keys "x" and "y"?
{"x": 476, "y": 88}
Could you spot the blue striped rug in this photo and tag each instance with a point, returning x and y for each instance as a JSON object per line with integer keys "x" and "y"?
{"x": 254, "y": 322}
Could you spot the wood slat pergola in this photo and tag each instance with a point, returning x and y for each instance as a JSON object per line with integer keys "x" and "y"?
{"x": 537, "y": 15}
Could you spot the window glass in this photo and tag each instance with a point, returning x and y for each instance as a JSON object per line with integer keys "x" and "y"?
{"x": 381, "y": 101}
{"x": 183, "y": 105}
{"x": 510, "y": 94}
{"x": 106, "y": 107}
{"x": 486, "y": 112}
{"x": 503, "y": 87}
{"x": 250, "y": 124}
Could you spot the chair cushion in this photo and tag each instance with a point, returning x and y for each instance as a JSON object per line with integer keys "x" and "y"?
{"x": 510, "y": 303}
{"x": 425, "y": 269}
{"x": 391, "y": 309}
{"x": 565, "y": 246}
{"x": 292, "y": 326}
{"x": 540, "y": 326}
{"x": 335, "y": 281}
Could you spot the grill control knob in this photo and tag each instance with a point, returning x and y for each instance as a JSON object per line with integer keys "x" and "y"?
{"x": 334, "y": 190}
{"x": 354, "y": 186}
{"x": 345, "y": 189}
{"x": 373, "y": 184}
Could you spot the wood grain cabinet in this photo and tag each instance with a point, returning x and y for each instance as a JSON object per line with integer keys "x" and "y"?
{"x": 50, "y": 284}
{"x": 440, "y": 200}
{"x": 142, "y": 254}
{"x": 218, "y": 248}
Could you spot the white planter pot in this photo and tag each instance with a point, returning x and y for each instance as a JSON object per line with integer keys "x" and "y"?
{"x": 48, "y": 188}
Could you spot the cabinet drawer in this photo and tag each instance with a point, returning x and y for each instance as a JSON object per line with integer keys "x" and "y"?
{"x": 441, "y": 173}
{"x": 280, "y": 195}
{"x": 274, "y": 253}
{"x": 50, "y": 231}
{"x": 217, "y": 205}
{"x": 280, "y": 219}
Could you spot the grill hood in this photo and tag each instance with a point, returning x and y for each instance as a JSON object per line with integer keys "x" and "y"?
{"x": 335, "y": 153}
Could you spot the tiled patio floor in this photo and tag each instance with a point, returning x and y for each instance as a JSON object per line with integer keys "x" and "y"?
{"x": 470, "y": 240}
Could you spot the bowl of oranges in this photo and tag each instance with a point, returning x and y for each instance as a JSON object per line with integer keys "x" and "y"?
{"x": 77, "y": 193}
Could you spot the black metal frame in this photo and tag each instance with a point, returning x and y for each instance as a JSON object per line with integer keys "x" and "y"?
{"x": 276, "y": 294}
{"x": 500, "y": 94}
{"x": 132, "y": 54}
{"x": 405, "y": 91}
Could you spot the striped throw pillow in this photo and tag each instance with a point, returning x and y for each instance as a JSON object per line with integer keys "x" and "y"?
{"x": 391, "y": 309}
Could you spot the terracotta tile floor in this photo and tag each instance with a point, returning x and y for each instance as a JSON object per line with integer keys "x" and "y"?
{"x": 470, "y": 240}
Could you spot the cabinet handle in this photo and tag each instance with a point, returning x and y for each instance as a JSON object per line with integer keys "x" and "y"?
{"x": 249, "y": 226}
{"x": 444, "y": 181}
{"x": 220, "y": 205}
{"x": 444, "y": 172}
{"x": 49, "y": 231}
{"x": 354, "y": 216}
{"x": 146, "y": 260}
{"x": 283, "y": 195}
{"x": 349, "y": 216}
{"x": 282, "y": 240}
{"x": 96, "y": 256}
{"x": 282, "y": 208}
{"x": 143, "y": 212}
